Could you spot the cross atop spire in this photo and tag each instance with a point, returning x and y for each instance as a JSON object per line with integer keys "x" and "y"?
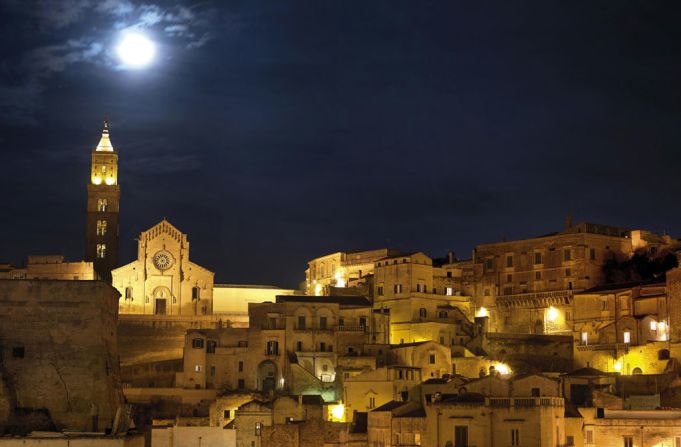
{"x": 105, "y": 143}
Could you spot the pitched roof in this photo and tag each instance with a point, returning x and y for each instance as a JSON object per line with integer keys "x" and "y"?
{"x": 587, "y": 371}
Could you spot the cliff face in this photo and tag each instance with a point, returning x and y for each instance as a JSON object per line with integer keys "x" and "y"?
{"x": 59, "y": 363}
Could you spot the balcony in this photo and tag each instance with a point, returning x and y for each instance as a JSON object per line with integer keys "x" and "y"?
{"x": 351, "y": 328}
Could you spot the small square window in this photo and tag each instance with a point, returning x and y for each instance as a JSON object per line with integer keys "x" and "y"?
{"x": 18, "y": 352}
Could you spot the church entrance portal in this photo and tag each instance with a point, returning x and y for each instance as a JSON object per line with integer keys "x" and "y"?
{"x": 160, "y": 306}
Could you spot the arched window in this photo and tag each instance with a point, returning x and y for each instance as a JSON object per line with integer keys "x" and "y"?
{"x": 101, "y": 251}
{"x": 196, "y": 294}
{"x": 101, "y": 227}
{"x": 423, "y": 313}
{"x": 128, "y": 293}
{"x": 637, "y": 371}
{"x": 101, "y": 205}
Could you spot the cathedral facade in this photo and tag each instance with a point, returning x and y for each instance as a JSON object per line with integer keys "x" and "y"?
{"x": 163, "y": 281}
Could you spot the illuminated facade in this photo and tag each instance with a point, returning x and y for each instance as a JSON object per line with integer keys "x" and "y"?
{"x": 163, "y": 281}
{"x": 103, "y": 200}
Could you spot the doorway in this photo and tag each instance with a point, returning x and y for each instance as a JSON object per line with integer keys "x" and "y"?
{"x": 160, "y": 306}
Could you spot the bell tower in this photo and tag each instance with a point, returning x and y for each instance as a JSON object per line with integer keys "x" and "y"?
{"x": 103, "y": 198}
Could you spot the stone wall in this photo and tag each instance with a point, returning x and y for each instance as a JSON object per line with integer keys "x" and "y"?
{"x": 58, "y": 353}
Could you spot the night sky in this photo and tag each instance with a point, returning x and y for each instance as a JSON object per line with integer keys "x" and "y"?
{"x": 276, "y": 132}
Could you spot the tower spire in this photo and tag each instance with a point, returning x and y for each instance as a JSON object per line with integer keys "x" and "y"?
{"x": 105, "y": 143}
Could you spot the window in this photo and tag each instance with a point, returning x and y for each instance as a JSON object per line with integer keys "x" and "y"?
{"x": 626, "y": 337}
{"x": 508, "y": 290}
{"x": 322, "y": 323}
{"x": 212, "y": 371}
{"x": 628, "y": 441}
{"x": 489, "y": 264}
{"x": 569, "y": 441}
{"x": 449, "y": 291}
{"x": 509, "y": 261}
{"x": 101, "y": 251}
{"x": 128, "y": 293}
{"x": 449, "y": 274}
{"x": 589, "y": 438}
{"x": 325, "y": 367}
{"x": 210, "y": 346}
{"x": 431, "y": 359}
{"x": 398, "y": 288}
{"x": 363, "y": 321}
{"x": 584, "y": 338}
{"x": 242, "y": 343}
{"x": 196, "y": 294}
{"x": 372, "y": 402}
{"x": 592, "y": 254}
{"x": 301, "y": 322}
{"x": 515, "y": 436}
{"x": 197, "y": 368}
{"x": 509, "y": 278}
{"x": 537, "y": 276}
{"x": 258, "y": 428}
{"x": 299, "y": 346}
{"x": 101, "y": 227}
{"x": 442, "y": 314}
{"x": 380, "y": 291}
{"x": 227, "y": 414}
{"x": 18, "y": 352}
{"x": 535, "y": 392}
{"x": 241, "y": 366}
{"x": 322, "y": 346}
{"x": 197, "y": 343}
{"x": 400, "y": 374}
{"x": 241, "y": 384}
{"x": 537, "y": 258}
{"x": 341, "y": 322}
{"x": 567, "y": 254}
{"x": 604, "y": 304}
{"x": 272, "y": 347}
{"x": 423, "y": 313}
{"x": 101, "y": 205}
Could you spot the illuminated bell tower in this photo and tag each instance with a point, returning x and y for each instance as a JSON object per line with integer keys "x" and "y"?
{"x": 103, "y": 198}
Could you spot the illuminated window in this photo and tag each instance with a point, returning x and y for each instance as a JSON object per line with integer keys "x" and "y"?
{"x": 627, "y": 337}
{"x": 101, "y": 251}
{"x": 197, "y": 368}
{"x": 449, "y": 291}
{"x": 398, "y": 288}
{"x": 101, "y": 227}
{"x": 653, "y": 325}
{"x": 101, "y": 205}
{"x": 258, "y": 428}
{"x": 585, "y": 338}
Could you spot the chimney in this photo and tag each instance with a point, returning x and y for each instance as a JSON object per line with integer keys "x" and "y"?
{"x": 450, "y": 257}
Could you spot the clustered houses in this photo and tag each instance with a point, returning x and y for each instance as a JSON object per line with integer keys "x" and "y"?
{"x": 529, "y": 343}
{"x": 568, "y": 339}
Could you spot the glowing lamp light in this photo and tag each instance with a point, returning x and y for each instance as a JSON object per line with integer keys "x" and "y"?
{"x": 110, "y": 181}
{"x": 340, "y": 281}
{"x": 502, "y": 369}
{"x": 318, "y": 290}
{"x": 97, "y": 180}
{"x": 338, "y": 412}
{"x": 552, "y": 314}
{"x": 136, "y": 50}
{"x": 617, "y": 366}
{"x": 482, "y": 312}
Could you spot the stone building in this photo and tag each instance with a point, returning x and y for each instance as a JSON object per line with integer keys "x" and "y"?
{"x": 342, "y": 269}
{"x": 525, "y": 285}
{"x": 163, "y": 280}
{"x": 49, "y": 267}
{"x": 59, "y": 358}
{"x": 295, "y": 344}
{"x": 103, "y": 206}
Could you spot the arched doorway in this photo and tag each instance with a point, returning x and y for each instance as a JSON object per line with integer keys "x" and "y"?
{"x": 161, "y": 297}
{"x": 267, "y": 375}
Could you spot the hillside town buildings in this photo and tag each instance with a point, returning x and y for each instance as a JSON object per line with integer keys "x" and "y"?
{"x": 572, "y": 338}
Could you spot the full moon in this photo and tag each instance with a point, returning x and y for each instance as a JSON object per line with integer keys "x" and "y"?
{"x": 136, "y": 50}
